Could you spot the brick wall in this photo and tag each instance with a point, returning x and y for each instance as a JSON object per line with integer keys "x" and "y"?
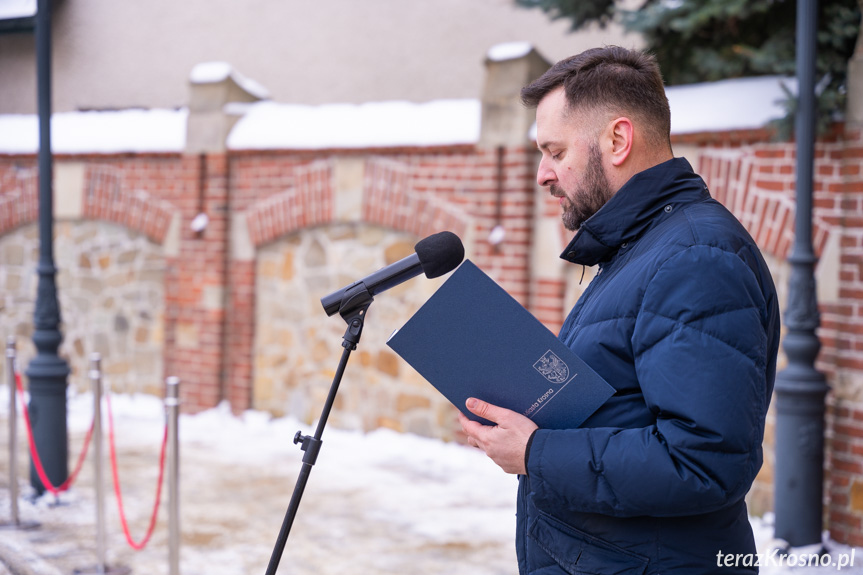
{"x": 420, "y": 191}
{"x": 19, "y": 202}
{"x": 255, "y": 199}
{"x": 209, "y": 296}
{"x": 108, "y": 196}
{"x": 111, "y": 268}
{"x": 756, "y": 180}
{"x": 842, "y": 332}
{"x": 845, "y": 475}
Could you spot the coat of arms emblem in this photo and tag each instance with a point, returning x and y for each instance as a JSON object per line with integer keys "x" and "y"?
{"x": 552, "y": 368}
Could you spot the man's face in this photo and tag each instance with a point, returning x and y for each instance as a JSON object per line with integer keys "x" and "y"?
{"x": 571, "y": 167}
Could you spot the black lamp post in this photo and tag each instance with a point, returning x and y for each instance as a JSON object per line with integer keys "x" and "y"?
{"x": 800, "y": 388}
{"x": 47, "y": 372}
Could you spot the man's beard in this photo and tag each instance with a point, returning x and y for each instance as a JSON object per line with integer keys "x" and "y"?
{"x": 591, "y": 194}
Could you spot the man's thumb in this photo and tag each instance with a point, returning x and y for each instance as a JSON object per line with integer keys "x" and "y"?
{"x": 481, "y": 408}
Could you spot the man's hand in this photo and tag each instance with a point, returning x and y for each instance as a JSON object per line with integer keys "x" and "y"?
{"x": 505, "y": 442}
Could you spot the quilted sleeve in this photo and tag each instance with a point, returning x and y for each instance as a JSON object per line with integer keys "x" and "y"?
{"x": 700, "y": 346}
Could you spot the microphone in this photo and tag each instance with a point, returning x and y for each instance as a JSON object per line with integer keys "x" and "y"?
{"x": 435, "y": 256}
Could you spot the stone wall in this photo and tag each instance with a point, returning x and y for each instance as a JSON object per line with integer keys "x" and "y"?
{"x": 116, "y": 238}
{"x": 310, "y": 225}
{"x": 297, "y": 348}
{"x": 111, "y": 285}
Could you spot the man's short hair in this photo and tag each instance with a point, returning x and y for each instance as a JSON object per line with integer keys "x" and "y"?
{"x": 613, "y": 80}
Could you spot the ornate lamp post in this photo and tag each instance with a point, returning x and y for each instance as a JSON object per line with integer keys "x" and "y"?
{"x": 47, "y": 372}
{"x": 800, "y": 388}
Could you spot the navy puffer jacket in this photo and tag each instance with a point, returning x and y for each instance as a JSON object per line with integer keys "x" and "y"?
{"x": 682, "y": 320}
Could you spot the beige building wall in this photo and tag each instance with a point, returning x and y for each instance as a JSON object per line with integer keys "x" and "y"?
{"x": 109, "y": 54}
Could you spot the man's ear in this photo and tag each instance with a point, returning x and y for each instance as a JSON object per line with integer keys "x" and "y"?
{"x": 621, "y": 133}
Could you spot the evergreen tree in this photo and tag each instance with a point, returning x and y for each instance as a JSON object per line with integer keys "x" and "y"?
{"x": 708, "y": 40}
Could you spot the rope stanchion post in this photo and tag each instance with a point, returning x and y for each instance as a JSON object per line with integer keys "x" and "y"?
{"x": 15, "y": 519}
{"x": 96, "y": 381}
{"x": 172, "y": 404}
{"x": 101, "y": 567}
{"x": 13, "y": 429}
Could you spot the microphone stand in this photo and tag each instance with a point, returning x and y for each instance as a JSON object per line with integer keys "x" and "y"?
{"x": 354, "y": 305}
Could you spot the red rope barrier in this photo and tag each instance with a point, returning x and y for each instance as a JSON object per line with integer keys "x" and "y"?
{"x": 34, "y": 454}
{"x": 143, "y": 543}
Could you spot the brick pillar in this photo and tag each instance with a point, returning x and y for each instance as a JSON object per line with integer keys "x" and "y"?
{"x": 240, "y": 315}
{"x": 216, "y": 97}
{"x": 516, "y": 228}
{"x": 508, "y": 68}
{"x": 208, "y": 341}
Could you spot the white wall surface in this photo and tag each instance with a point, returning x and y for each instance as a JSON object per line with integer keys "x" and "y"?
{"x": 110, "y": 54}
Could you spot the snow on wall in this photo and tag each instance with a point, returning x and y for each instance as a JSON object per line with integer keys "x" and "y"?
{"x": 268, "y": 125}
{"x": 11, "y": 9}
{"x": 743, "y": 103}
{"x": 739, "y": 104}
{"x": 97, "y": 132}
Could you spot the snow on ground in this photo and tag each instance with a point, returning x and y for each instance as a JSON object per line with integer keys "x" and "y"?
{"x": 465, "y": 497}
{"x": 381, "y": 463}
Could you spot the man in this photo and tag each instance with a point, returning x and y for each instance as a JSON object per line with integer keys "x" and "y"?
{"x": 681, "y": 319}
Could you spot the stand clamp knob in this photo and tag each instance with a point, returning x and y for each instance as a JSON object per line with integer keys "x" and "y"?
{"x": 310, "y": 445}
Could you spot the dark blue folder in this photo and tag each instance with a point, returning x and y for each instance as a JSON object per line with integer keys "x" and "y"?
{"x": 472, "y": 339}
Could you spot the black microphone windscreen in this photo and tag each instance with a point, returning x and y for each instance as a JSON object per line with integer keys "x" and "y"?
{"x": 439, "y": 253}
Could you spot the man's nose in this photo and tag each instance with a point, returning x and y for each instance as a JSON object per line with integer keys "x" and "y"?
{"x": 545, "y": 176}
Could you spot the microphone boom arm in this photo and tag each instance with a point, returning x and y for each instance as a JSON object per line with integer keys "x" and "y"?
{"x": 381, "y": 280}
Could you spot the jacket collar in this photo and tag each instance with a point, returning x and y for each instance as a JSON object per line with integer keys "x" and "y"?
{"x": 645, "y": 200}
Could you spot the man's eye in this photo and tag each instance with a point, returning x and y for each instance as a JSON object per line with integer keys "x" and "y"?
{"x": 555, "y": 156}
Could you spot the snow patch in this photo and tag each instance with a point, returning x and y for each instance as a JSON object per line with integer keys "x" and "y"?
{"x": 745, "y": 103}
{"x": 509, "y": 51}
{"x": 10, "y": 9}
{"x": 210, "y": 72}
{"x": 269, "y": 125}
{"x": 100, "y": 132}
{"x": 738, "y": 104}
{"x": 213, "y": 72}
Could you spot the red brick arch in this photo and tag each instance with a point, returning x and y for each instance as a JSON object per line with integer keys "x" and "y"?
{"x": 758, "y": 186}
{"x": 307, "y": 203}
{"x": 106, "y": 197}
{"x": 19, "y": 198}
{"x": 388, "y": 200}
